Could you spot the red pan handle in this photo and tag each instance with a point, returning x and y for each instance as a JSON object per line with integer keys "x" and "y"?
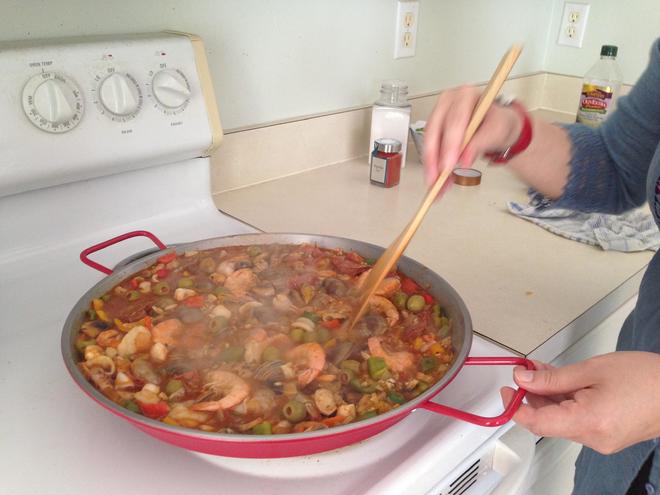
{"x": 483, "y": 420}
{"x": 84, "y": 255}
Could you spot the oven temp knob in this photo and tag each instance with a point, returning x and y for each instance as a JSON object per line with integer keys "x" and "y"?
{"x": 120, "y": 96}
{"x": 171, "y": 89}
{"x": 52, "y": 102}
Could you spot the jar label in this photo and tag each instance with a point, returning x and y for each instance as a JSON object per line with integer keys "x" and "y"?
{"x": 594, "y": 103}
{"x": 378, "y": 170}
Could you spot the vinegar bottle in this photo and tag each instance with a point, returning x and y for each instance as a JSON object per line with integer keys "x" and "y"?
{"x": 390, "y": 116}
{"x": 600, "y": 88}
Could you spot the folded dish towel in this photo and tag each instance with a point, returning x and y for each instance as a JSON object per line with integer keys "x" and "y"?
{"x": 631, "y": 231}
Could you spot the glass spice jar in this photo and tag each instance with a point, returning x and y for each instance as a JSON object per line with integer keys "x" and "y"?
{"x": 385, "y": 162}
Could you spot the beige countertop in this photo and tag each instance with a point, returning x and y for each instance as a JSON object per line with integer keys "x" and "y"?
{"x": 525, "y": 287}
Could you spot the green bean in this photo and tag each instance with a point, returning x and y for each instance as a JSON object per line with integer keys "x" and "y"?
{"x": 416, "y": 303}
{"x": 253, "y": 251}
{"x": 271, "y": 354}
{"x": 350, "y": 364}
{"x": 312, "y": 316}
{"x": 161, "y": 288}
{"x": 297, "y": 334}
{"x": 81, "y": 344}
{"x": 323, "y": 335}
{"x": 367, "y": 414}
{"x": 91, "y": 314}
{"x": 172, "y": 386}
{"x": 232, "y": 354}
{"x": 377, "y": 368}
{"x": 294, "y": 411}
{"x": 396, "y": 397}
{"x": 428, "y": 363}
{"x": 264, "y": 428}
{"x": 133, "y": 295}
{"x": 365, "y": 386}
{"x": 186, "y": 282}
{"x": 217, "y": 325}
{"x": 400, "y": 299}
{"x": 436, "y": 310}
{"x": 131, "y": 405}
{"x": 207, "y": 265}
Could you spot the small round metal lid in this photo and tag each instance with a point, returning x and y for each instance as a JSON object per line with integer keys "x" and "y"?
{"x": 387, "y": 145}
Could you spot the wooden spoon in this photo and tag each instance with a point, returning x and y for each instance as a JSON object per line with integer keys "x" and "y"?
{"x": 392, "y": 254}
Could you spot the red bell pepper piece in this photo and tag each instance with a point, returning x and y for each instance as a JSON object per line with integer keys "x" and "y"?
{"x": 409, "y": 286}
{"x": 194, "y": 301}
{"x": 428, "y": 298}
{"x": 162, "y": 273}
{"x": 166, "y": 258}
{"x": 331, "y": 324}
{"x": 353, "y": 256}
{"x": 155, "y": 411}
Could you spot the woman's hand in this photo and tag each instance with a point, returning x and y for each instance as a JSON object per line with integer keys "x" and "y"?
{"x": 445, "y": 130}
{"x": 607, "y": 402}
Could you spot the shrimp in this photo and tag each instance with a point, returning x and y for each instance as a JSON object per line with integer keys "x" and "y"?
{"x": 261, "y": 403}
{"x": 308, "y": 360}
{"x": 254, "y": 348}
{"x": 167, "y": 332}
{"x": 398, "y": 361}
{"x": 241, "y": 281}
{"x": 388, "y": 287}
{"x": 231, "y": 387}
{"x": 138, "y": 339}
{"x": 386, "y": 307}
{"x": 108, "y": 338}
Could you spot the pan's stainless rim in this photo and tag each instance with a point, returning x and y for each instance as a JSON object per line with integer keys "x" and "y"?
{"x": 446, "y": 296}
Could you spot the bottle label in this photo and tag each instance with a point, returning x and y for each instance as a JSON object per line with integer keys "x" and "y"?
{"x": 378, "y": 170}
{"x": 594, "y": 104}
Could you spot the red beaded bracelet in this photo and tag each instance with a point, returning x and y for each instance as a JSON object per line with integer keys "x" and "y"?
{"x": 523, "y": 141}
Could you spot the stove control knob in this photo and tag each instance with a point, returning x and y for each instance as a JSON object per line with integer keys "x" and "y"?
{"x": 120, "y": 95}
{"x": 52, "y": 102}
{"x": 171, "y": 89}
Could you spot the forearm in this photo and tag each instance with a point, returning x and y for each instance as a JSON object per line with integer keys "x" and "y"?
{"x": 545, "y": 164}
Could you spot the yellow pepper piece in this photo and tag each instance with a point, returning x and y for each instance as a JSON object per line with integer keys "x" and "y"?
{"x": 170, "y": 421}
{"x": 103, "y": 316}
{"x": 330, "y": 343}
{"x": 418, "y": 343}
{"x": 307, "y": 292}
{"x": 97, "y": 304}
{"x": 120, "y": 325}
{"x": 437, "y": 349}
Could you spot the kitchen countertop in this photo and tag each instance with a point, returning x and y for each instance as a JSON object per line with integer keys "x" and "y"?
{"x": 527, "y": 289}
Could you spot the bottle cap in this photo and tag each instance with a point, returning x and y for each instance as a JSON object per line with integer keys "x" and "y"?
{"x": 609, "y": 51}
{"x": 387, "y": 145}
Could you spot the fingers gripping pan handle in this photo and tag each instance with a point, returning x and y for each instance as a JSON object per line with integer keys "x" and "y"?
{"x": 483, "y": 420}
{"x": 84, "y": 255}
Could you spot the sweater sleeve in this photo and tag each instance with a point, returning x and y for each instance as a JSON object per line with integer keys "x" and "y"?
{"x": 609, "y": 165}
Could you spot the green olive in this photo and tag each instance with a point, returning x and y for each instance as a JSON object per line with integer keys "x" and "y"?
{"x": 161, "y": 288}
{"x": 350, "y": 364}
{"x": 271, "y": 354}
{"x": 264, "y": 428}
{"x": 416, "y": 303}
{"x": 207, "y": 265}
{"x": 172, "y": 386}
{"x": 297, "y": 334}
{"x": 232, "y": 354}
{"x": 131, "y": 405}
{"x": 428, "y": 363}
{"x": 365, "y": 386}
{"x": 294, "y": 411}
{"x": 133, "y": 295}
{"x": 311, "y": 336}
{"x": 186, "y": 282}
{"x": 218, "y": 324}
{"x": 400, "y": 299}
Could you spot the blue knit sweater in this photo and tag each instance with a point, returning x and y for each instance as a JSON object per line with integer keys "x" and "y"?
{"x": 613, "y": 169}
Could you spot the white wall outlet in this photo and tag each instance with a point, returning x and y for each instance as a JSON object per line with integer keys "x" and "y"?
{"x": 405, "y": 31}
{"x": 573, "y": 24}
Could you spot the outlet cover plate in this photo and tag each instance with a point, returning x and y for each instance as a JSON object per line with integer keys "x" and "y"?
{"x": 405, "y": 31}
{"x": 573, "y": 24}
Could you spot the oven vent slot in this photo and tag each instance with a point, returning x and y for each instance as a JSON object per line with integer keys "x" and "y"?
{"x": 463, "y": 482}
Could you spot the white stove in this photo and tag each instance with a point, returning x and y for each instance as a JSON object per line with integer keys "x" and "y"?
{"x": 101, "y": 136}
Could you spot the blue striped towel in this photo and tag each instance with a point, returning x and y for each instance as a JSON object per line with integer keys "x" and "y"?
{"x": 631, "y": 231}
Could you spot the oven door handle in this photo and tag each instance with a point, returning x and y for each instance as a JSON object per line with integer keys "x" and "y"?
{"x": 84, "y": 255}
{"x": 484, "y": 420}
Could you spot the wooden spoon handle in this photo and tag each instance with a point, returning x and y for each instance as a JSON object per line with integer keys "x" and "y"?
{"x": 392, "y": 254}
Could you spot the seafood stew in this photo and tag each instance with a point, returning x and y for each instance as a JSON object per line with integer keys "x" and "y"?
{"x": 251, "y": 339}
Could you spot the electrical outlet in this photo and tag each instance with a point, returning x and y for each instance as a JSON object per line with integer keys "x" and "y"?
{"x": 405, "y": 31}
{"x": 573, "y": 24}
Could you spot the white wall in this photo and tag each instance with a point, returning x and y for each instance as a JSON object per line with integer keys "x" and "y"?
{"x": 632, "y": 25}
{"x": 275, "y": 60}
